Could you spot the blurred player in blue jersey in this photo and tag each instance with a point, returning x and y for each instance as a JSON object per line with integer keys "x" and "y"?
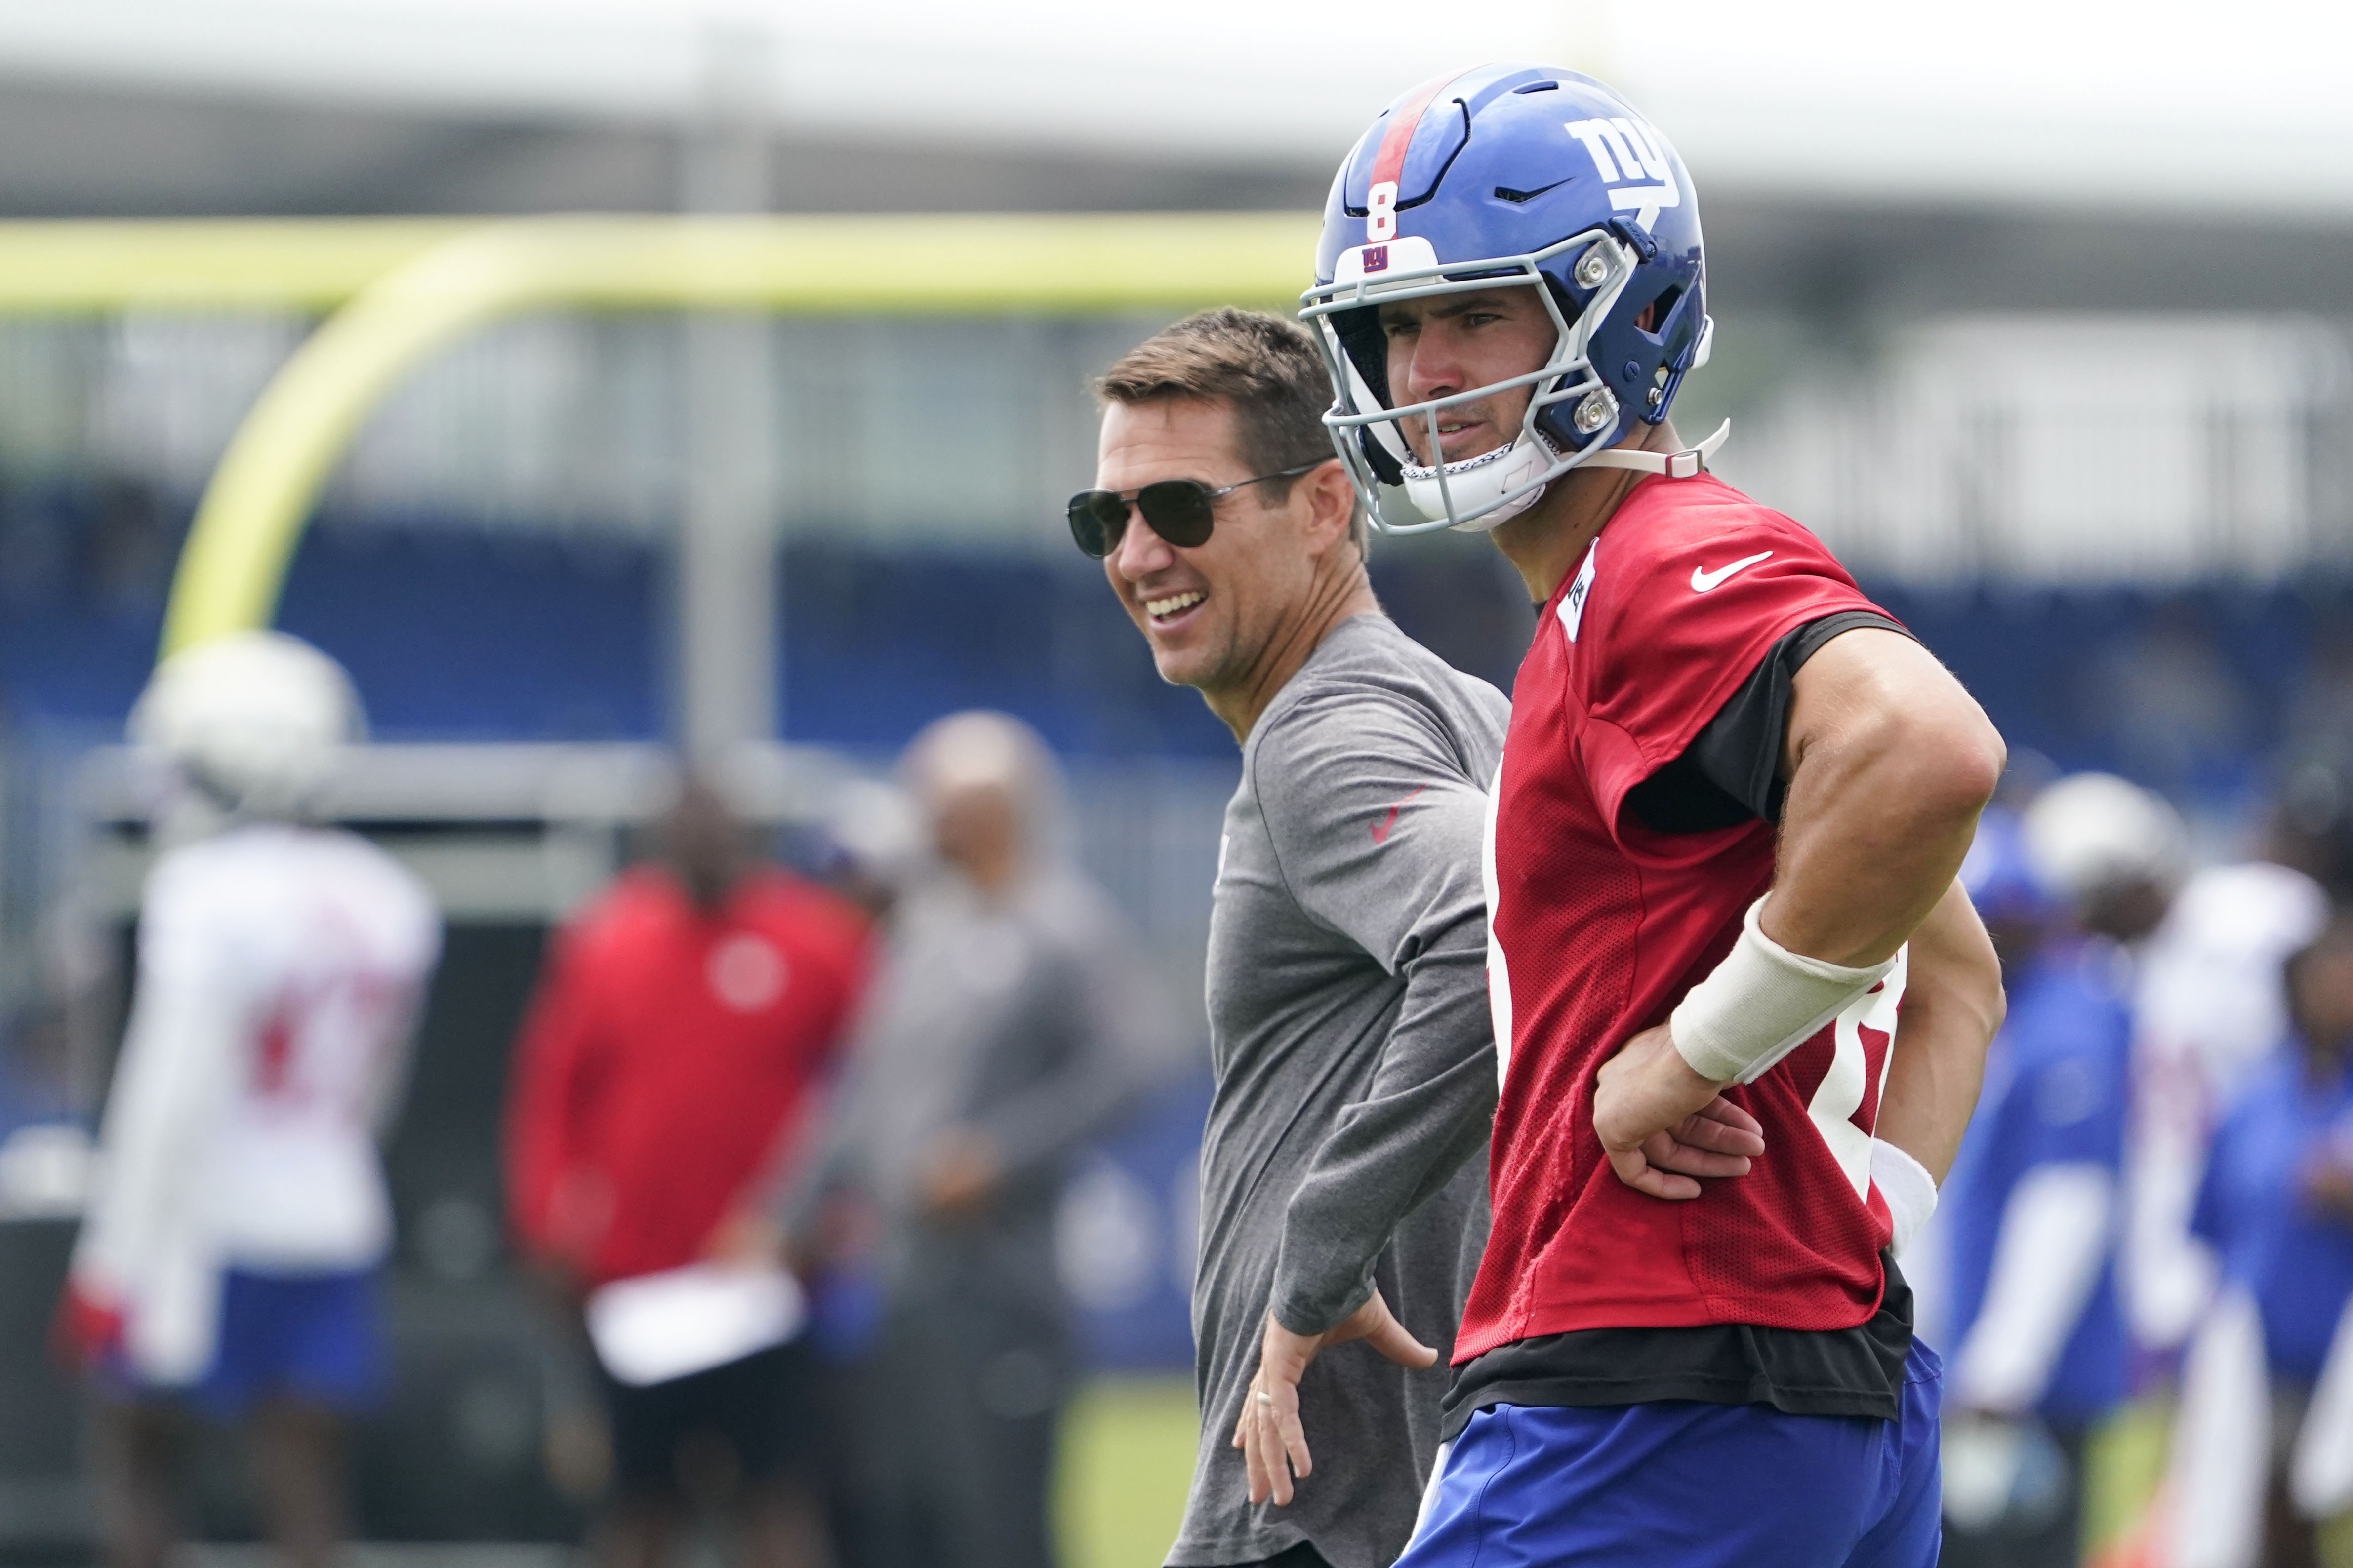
{"x": 2277, "y": 1206}
{"x": 2209, "y": 1006}
{"x": 2035, "y": 1334}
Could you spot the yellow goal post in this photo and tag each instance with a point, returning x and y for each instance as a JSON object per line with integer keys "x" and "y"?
{"x": 395, "y": 291}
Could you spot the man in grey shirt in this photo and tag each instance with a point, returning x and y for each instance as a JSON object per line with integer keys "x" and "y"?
{"x": 1342, "y": 1209}
{"x": 1010, "y": 1020}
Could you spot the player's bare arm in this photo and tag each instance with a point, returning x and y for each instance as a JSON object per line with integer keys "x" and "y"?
{"x": 1888, "y": 762}
{"x": 1953, "y": 1006}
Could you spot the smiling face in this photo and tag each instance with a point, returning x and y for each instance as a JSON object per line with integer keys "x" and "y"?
{"x": 1454, "y": 343}
{"x": 1211, "y": 612}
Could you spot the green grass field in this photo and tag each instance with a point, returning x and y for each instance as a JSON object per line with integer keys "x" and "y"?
{"x": 1127, "y": 1456}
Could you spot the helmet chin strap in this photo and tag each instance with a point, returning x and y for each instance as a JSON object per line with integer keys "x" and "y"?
{"x": 1674, "y": 464}
{"x": 1475, "y": 483}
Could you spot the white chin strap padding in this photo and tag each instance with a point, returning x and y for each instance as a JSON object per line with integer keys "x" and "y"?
{"x": 1481, "y": 481}
{"x": 1674, "y": 464}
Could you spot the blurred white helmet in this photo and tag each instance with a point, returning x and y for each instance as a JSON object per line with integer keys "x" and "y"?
{"x": 2091, "y": 833}
{"x": 255, "y": 720}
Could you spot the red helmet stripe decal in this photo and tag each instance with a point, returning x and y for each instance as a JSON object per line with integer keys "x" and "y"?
{"x": 1390, "y": 159}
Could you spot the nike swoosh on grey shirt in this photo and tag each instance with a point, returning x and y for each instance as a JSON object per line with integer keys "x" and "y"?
{"x": 1356, "y": 1082}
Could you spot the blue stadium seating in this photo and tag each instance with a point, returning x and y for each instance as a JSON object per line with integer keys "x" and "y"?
{"x": 459, "y": 633}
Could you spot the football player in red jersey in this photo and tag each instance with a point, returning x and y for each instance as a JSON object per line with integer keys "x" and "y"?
{"x": 1721, "y": 860}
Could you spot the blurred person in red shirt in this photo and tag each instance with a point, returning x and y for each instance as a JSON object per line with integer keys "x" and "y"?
{"x": 665, "y": 1073}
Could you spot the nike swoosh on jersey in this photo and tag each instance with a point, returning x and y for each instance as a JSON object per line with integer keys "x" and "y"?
{"x": 1381, "y": 829}
{"x": 1703, "y": 580}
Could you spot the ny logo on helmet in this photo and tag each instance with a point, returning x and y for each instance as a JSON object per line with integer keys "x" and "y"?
{"x": 1625, "y": 150}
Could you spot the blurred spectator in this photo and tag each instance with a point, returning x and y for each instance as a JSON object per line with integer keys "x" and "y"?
{"x": 2309, "y": 827}
{"x": 2175, "y": 712}
{"x": 2250, "y": 1475}
{"x": 2208, "y": 1006}
{"x": 1011, "y": 1023}
{"x": 2029, "y": 1214}
{"x": 665, "y": 1070}
{"x": 229, "y": 1263}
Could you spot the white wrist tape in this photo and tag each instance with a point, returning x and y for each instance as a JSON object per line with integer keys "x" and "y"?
{"x": 1908, "y": 1188}
{"x": 1760, "y": 1003}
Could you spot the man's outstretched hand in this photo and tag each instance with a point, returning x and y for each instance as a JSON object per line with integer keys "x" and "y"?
{"x": 1272, "y": 1441}
{"x": 1662, "y": 1124}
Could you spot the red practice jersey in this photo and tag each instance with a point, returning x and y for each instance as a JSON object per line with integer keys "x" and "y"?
{"x": 1600, "y": 924}
{"x": 667, "y": 1058}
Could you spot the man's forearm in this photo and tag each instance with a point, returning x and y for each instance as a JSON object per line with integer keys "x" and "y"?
{"x": 1889, "y": 763}
{"x": 1381, "y": 1170}
{"x": 1952, "y": 1007}
{"x": 1428, "y": 1108}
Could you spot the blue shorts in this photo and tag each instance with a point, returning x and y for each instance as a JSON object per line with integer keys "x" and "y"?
{"x": 1689, "y": 1485}
{"x": 316, "y": 1338}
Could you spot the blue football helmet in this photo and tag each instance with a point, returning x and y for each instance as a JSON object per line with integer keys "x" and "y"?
{"x": 1509, "y": 175}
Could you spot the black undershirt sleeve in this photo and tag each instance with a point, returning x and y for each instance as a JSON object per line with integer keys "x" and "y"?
{"x": 1731, "y": 773}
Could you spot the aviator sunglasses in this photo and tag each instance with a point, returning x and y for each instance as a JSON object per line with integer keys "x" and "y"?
{"x": 1181, "y": 512}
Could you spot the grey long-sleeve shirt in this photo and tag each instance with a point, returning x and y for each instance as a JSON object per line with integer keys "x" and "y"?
{"x": 1356, "y": 1081}
{"x": 1031, "y": 1019}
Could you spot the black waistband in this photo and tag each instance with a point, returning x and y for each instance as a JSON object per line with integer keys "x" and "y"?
{"x": 1800, "y": 1372}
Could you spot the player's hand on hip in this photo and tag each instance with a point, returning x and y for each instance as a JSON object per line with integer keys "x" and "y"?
{"x": 1272, "y": 1440}
{"x": 1663, "y": 1125}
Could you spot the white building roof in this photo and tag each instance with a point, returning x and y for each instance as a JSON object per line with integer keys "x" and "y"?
{"x": 2005, "y": 102}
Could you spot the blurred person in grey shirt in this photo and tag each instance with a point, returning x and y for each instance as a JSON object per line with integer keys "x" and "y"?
{"x": 1342, "y": 1182}
{"x": 1011, "y": 1021}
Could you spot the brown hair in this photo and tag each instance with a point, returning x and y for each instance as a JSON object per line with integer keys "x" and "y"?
{"x": 1263, "y": 367}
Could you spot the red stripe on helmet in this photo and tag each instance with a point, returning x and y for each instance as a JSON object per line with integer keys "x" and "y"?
{"x": 1391, "y": 160}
